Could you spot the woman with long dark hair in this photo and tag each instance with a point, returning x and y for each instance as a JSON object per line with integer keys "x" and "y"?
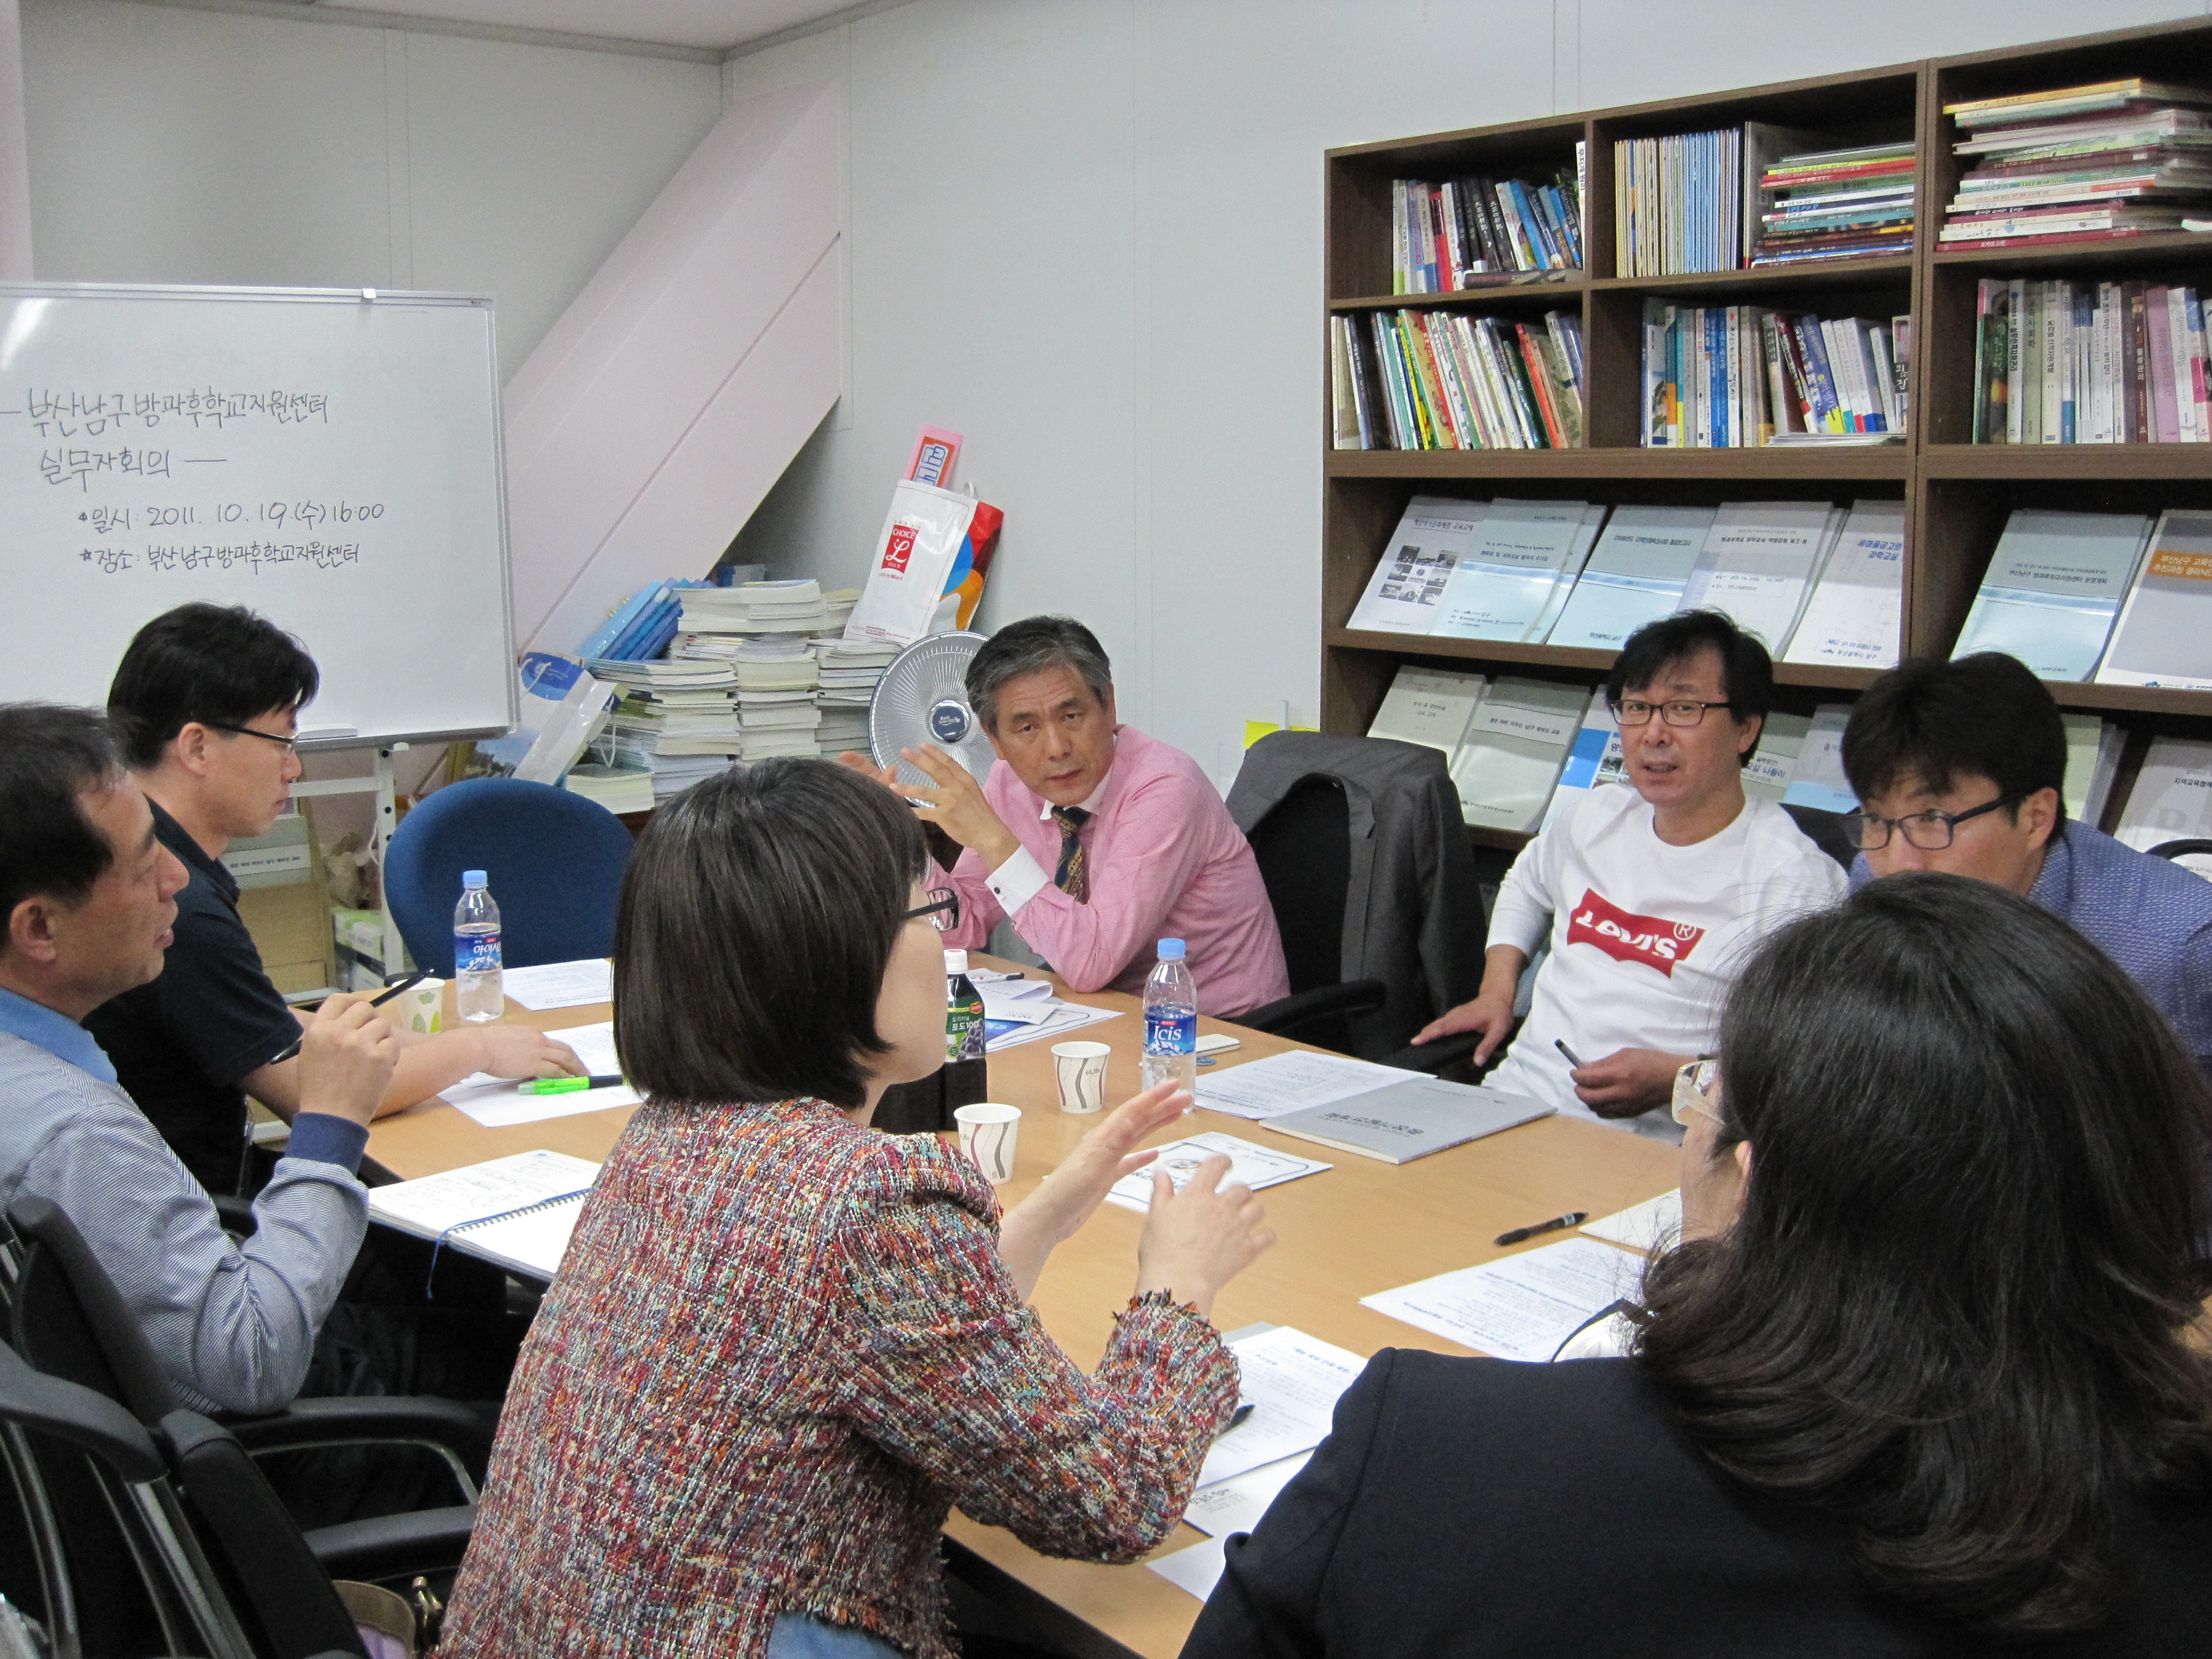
{"x": 781, "y": 1344}
{"x": 1919, "y": 1381}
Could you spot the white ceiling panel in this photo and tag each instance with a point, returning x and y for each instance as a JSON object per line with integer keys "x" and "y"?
{"x": 713, "y": 24}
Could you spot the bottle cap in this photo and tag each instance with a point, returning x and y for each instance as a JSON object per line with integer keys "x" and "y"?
{"x": 956, "y": 961}
{"x": 471, "y": 879}
{"x": 1170, "y": 950}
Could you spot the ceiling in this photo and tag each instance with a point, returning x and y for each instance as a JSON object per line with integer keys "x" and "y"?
{"x": 716, "y": 25}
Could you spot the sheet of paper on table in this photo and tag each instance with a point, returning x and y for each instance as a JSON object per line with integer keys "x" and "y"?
{"x": 1255, "y": 1166}
{"x": 1643, "y": 1227}
{"x": 1291, "y": 1381}
{"x": 1196, "y": 1569}
{"x": 1236, "y": 1504}
{"x": 1290, "y": 1083}
{"x": 499, "y": 1103}
{"x": 1065, "y": 1019}
{"x": 1520, "y": 1307}
{"x": 561, "y": 984}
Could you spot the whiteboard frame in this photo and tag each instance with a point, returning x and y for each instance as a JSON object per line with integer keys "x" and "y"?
{"x": 356, "y": 296}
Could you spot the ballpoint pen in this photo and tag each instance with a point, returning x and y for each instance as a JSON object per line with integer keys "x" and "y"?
{"x": 292, "y": 1048}
{"x": 1572, "y": 1219}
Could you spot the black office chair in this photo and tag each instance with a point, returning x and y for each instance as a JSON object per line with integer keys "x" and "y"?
{"x": 68, "y": 1319}
{"x": 1303, "y": 849}
{"x": 1824, "y": 829}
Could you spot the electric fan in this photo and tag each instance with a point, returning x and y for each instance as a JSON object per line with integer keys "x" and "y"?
{"x": 923, "y": 698}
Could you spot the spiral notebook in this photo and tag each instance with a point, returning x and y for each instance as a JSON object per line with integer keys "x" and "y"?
{"x": 515, "y": 1212}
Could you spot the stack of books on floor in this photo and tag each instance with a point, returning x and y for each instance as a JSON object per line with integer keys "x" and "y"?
{"x": 1836, "y": 204}
{"x": 1817, "y": 583}
{"x": 617, "y": 788}
{"x": 777, "y": 678}
{"x": 1740, "y": 377}
{"x": 2109, "y": 596}
{"x": 2120, "y": 158}
{"x": 1429, "y": 379}
{"x": 850, "y": 673}
{"x": 796, "y": 606}
{"x": 1476, "y": 232}
{"x": 2065, "y": 362}
{"x": 678, "y": 720}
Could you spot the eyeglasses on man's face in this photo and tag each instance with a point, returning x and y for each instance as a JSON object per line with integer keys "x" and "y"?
{"x": 291, "y": 745}
{"x": 943, "y": 911}
{"x": 1930, "y": 832}
{"x": 1678, "y": 711}
{"x": 1693, "y": 1091}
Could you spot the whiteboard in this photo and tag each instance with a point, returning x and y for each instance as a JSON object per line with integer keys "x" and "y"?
{"x": 329, "y": 457}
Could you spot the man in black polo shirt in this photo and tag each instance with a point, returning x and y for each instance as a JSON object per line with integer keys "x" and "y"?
{"x": 207, "y": 700}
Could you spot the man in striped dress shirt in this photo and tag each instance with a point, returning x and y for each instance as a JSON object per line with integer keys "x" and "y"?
{"x": 1095, "y": 840}
{"x": 88, "y": 895}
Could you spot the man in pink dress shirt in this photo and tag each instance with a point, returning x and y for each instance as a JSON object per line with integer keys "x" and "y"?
{"x": 1096, "y": 841}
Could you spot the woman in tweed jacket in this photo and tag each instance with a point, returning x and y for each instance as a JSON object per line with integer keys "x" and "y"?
{"x": 782, "y": 1344}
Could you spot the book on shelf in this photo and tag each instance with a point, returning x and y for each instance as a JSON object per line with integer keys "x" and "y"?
{"x": 1740, "y": 377}
{"x": 1438, "y": 380}
{"x": 2093, "y": 759}
{"x": 2058, "y": 362}
{"x": 1593, "y": 757}
{"x": 2075, "y": 161}
{"x": 1405, "y": 594}
{"x": 1477, "y": 232}
{"x": 1693, "y": 201}
{"x": 1504, "y": 584}
{"x": 1636, "y": 574}
{"x": 2053, "y": 587}
{"x": 1818, "y": 781}
{"x": 1853, "y": 203}
{"x": 1428, "y": 705}
{"x": 2172, "y": 798}
{"x": 2164, "y": 633}
{"x": 1855, "y": 617}
{"x": 1772, "y": 767}
{"x": 1759, "y": 563}
{"x": 1516, "y": 746}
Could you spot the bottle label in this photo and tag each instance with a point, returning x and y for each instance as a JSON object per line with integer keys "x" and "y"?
{"x": 964, "y": 1035}
{"x": 476, "y": 953}
{"x": 1168, "y": 1032}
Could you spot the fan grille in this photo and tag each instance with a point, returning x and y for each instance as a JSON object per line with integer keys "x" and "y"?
{"x": 923, "y": 699}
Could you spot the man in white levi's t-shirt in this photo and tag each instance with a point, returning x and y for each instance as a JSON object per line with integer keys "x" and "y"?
{"x": 1653, "y": 894}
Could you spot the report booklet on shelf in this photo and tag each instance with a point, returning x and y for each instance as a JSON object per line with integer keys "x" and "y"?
{"x": 1636, "y": 574}
{"x": 1819, "y": 780}
{"x": 1428, "y": 705}
{"x": 1773, "y": 767}
{"x": 1594, "y": 758}
{"x": 2171, "y": 800}
{"x": 1505, "y": 582}
{"x": 1758, "y": 562}
{"x": 1404, "y": 593}
{"x": 1515, "y": 748}
{"x": 1856, "y": 615}
{"x": 2164, "y": 633}
{"x": 2053, "y": 586}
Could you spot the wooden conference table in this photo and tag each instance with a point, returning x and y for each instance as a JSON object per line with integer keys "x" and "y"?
{"x": 1361, "y": 1227}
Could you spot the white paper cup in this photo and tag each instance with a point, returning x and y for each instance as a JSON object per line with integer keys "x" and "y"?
{"x": 1081, "y": 1068}
{"x": 987, "y": 1132}
{"x": 420, "y": 1009}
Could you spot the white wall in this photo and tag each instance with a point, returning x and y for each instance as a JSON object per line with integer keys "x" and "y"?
{"x": 1087, "y": 234}
{"x": 170, "y": 145}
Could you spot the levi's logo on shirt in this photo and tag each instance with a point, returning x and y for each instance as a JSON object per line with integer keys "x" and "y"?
{"x": 1626, "y": 937}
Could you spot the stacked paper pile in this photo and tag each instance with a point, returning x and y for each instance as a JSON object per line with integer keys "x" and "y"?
{"x": 677, "y": 718}
{"x": 2116, "y": 158}
{"x": 777, "y": 678}
{"x": 778, "y": 607}
{"x": 850, "y": 672}
{"x": 1836, "y": 204}
{"x": 617, "y": 788}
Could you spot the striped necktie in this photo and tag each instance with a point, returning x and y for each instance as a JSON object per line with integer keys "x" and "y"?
{"x": 1072, "y": 877}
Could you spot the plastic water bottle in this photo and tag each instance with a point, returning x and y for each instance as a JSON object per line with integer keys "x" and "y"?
{"x": 476, "y": 993}
{"x": 967, "y": 1077}
{"x": 1171, "y": 1021}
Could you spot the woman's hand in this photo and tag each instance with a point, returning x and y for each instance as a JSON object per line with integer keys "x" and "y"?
{"x": 1197, "y": 1240}
{"x": 1065, "y": 1199}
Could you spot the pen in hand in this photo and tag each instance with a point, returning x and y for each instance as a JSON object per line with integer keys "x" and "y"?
{"x": 1572, "y": 1219}
{"x": 1573, "y": 1058}
{"x": 292, "y": 1048}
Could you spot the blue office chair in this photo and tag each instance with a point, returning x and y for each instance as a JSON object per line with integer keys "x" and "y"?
{"x": 554, "y": 861}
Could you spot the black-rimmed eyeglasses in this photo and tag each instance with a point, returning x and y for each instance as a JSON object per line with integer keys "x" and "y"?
{"x": 943, "y": 911}
{"x": 1680, "y": 711}
{"x": 1930, "y": 832}
{"x": 291, "y": 745}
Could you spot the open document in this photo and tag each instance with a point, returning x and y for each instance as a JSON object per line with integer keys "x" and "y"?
{"x": 1520, "y": 1307}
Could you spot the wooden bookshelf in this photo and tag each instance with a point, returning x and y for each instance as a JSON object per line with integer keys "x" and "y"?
{"x": 1956, "y": 494}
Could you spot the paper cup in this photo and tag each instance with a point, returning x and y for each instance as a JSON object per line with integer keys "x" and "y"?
{"x": 420, "y": 1009}
{"x": 1081, "y": 1068}
{"x": 987, "y": 1131}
